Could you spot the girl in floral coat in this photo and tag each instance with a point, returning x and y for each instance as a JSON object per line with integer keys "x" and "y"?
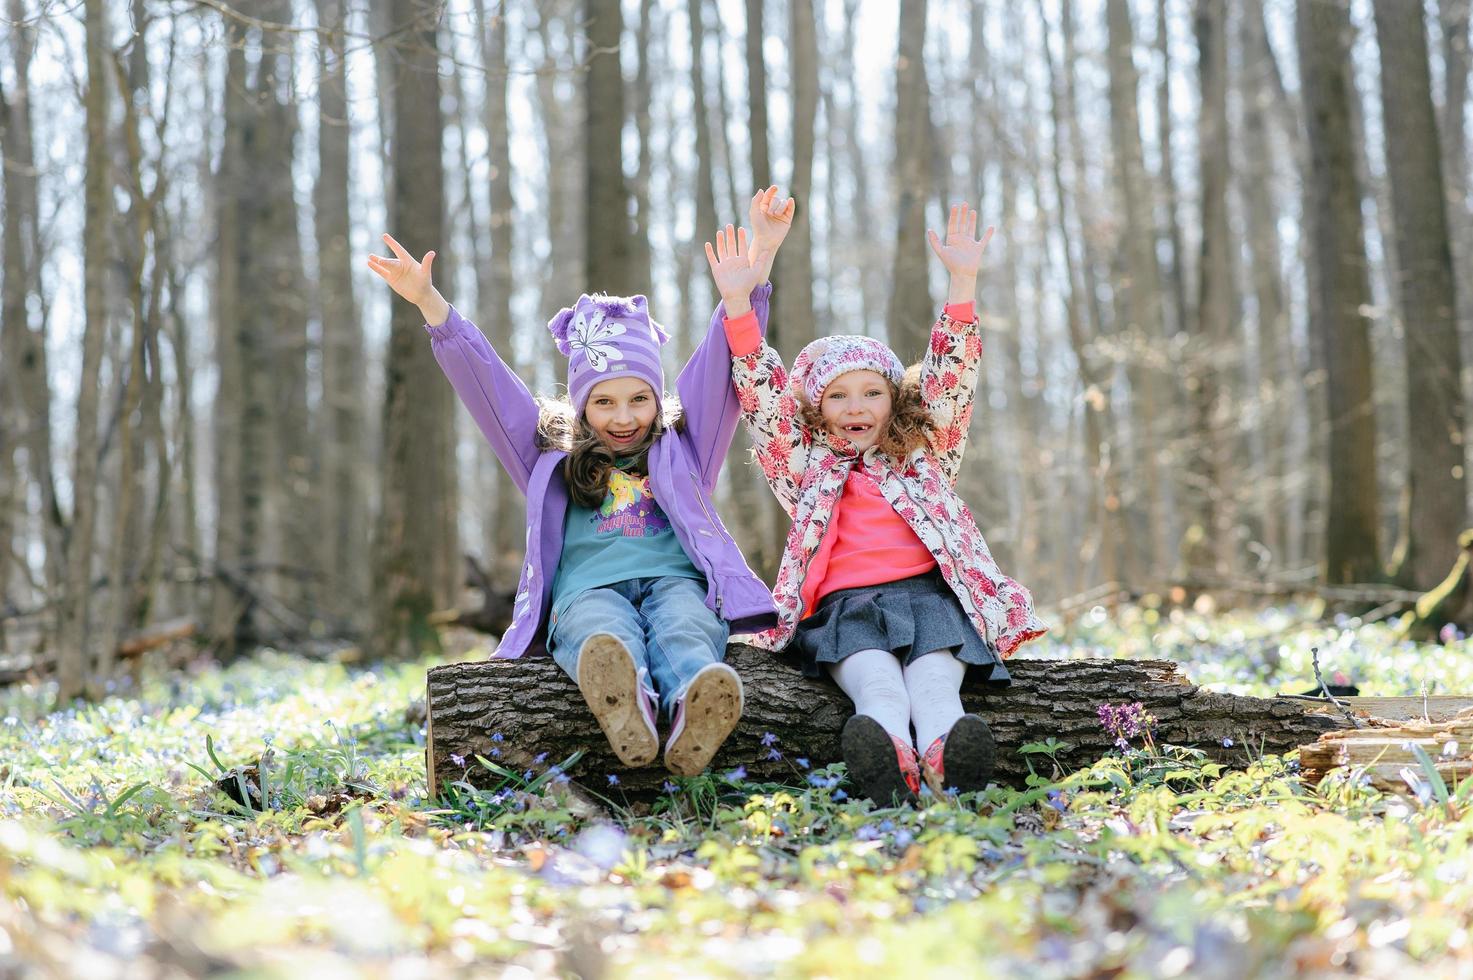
{"x": 886, "y": 583}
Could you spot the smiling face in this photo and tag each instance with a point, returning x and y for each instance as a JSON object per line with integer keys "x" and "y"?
{"x": 856, "y": 405}
{"x": 620, "y": 411}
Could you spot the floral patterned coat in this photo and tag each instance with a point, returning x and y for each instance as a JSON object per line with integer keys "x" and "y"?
{"x": 807, "y": 471}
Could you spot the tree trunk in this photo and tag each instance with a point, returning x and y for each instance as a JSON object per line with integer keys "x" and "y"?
{"x": 910, "y": 312}
{"x": 643, "y": 258}
{"x": 76, "y": 637}
{"x": 1207, "y": 376}
{"x": 345, "y": 457}
{"x": 1100, "y": 548}
{"x": 1435, "y": 499}
{"x": 757, "y": 96}
{"x": 793, "y": 321}
{"x": 535, "y": 708}
{"x": 1277, "y": 397}
{"x": 702, "y": 291}
{"x": 417, "y": 433}
{"x": 506, "y": 505}
{"x": 606, "y": 222}
{"x": 22, "y": 244}
{"x": 1176, "y": 271}
{"x": 1143, "y": 335}
{"x": 1340, "y": 292}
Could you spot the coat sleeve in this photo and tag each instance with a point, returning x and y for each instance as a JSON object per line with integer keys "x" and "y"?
{"x": 706, "y": 394}
{"x": 949, "y": 374}
{"x": 503, "y": 408}
{"x": 783, "y": 443}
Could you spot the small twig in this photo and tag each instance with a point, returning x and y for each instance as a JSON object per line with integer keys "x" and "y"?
{"x": 1315, "y": 654}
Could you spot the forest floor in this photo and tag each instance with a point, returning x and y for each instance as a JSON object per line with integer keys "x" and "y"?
{"x": 118, "y": 855}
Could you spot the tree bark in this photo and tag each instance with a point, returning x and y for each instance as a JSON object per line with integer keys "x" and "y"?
{"x": 508, "y": 534}
{"x": 76, "y": 637}
{"x": 757, "y": 95}
{"x": 1435, "y": 498}
{"x": 793, "y": 323}
{"x": 537, "y": 708}
{"x": 606, "y": 225}
{"x": 702, "y": 292}
{"x": 1278, "y": 394}
{"x": 413, "y": 530}
{"x": 1340, "y": 292}
{"x": 910, "y": 311}
{"x": 344, "y": 440}
{"x": 1143, "y": 334}
{"x": 1208, "y": 377}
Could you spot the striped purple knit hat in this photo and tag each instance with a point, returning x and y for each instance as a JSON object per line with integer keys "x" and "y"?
{"x": 607, "y": 337}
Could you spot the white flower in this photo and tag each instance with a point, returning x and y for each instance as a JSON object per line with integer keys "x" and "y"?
{"x": 592, "y": 334}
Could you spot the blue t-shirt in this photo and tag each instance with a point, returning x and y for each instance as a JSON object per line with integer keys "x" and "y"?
{"x": 628, "y": 537}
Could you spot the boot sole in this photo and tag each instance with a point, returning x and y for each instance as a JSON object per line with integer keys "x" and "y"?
{"x": 610, "y": 685}
{"x": 713, "y": 706}
{"x": 969, "y": 755}
{"x": 870, "y": 756}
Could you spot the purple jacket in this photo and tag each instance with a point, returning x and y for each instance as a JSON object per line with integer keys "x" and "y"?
{"x": 683, "y": 470}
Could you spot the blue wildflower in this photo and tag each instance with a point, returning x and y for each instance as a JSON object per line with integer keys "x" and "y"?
{"x": 774, "y": 755}
{"x": 613, "y": 780}
{"x": 768, "y": 738}
{"x": 802, "y": 762}
{"x": 669, "y": 787}
{"x": 459, "y": 760}
{"x": 737, "y": 774}
{"x": 540, "y": 759}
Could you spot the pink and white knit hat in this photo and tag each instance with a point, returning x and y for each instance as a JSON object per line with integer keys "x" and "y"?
{"x": 828, "y": 357}
{"x": 607, "y": 337}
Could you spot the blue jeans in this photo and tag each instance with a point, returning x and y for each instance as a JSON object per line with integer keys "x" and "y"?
{"x": 663, "y": 621}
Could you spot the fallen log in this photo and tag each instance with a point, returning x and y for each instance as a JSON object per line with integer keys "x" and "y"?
{"x": 535, "y": 708}
{"x": 1386, "y": 750}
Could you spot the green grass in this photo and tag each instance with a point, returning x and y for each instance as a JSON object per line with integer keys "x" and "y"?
{"x": 115, "y": 846}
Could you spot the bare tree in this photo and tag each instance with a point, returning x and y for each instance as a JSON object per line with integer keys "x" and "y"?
{"x": 1435, "y": 502}
{"x": 1143, "y": 332}
{"x": 1210, "y": 383}
{"x": 606, "y": 221}
{"x": 1340, "y": 292}
{"x": 76, "y": 638}
{"x": 344, "y": 441}
{"x": 793, "y": 324}
{"x": 910, "y": 311}
{"x": 413, "y": 530}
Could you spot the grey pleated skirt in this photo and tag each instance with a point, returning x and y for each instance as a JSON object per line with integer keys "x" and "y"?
{"x": 910, "y": 617}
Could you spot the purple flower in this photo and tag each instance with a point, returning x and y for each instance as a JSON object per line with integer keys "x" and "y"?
{"x": 459, "y": 760}
{"x": 840, "y": 796}
{"x": 541, "y": 758}
{"x": 497, "y": 737}
{"x": 1125, "y": 722}
{"x": 1227, "y": 742}
{"x": 669, "y": 787}
{"x": 774, "y": 755}
{"x": 613, "y": 780}
{"x": 737, "y": 774}
{"x": 768, "y": 738}
{"x": 802, "y": 762}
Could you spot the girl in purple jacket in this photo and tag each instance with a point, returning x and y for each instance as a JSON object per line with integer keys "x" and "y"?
{"x": 630, "y": 579}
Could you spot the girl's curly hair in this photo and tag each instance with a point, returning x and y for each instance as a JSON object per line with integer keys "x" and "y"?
{"x": 910, "y": 422}
{"x": 589, "y": 461}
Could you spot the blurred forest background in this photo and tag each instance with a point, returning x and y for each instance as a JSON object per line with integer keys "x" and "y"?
{"x": 1225, "y": 338}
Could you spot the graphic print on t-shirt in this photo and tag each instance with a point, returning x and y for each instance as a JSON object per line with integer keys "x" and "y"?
{"x": 630, "y": 509}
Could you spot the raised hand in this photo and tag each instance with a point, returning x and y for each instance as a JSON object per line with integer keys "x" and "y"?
{"x": 736, "y": 269}
{"x": 771, "y": 218}
{"x": 410, "y": 278}
{"x": 961, "y": 253}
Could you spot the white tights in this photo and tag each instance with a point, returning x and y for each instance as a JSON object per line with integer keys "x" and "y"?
{"x": 926, "y": 694}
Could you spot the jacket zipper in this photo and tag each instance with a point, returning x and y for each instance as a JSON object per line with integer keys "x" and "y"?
{"x": 710, "y": 568}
